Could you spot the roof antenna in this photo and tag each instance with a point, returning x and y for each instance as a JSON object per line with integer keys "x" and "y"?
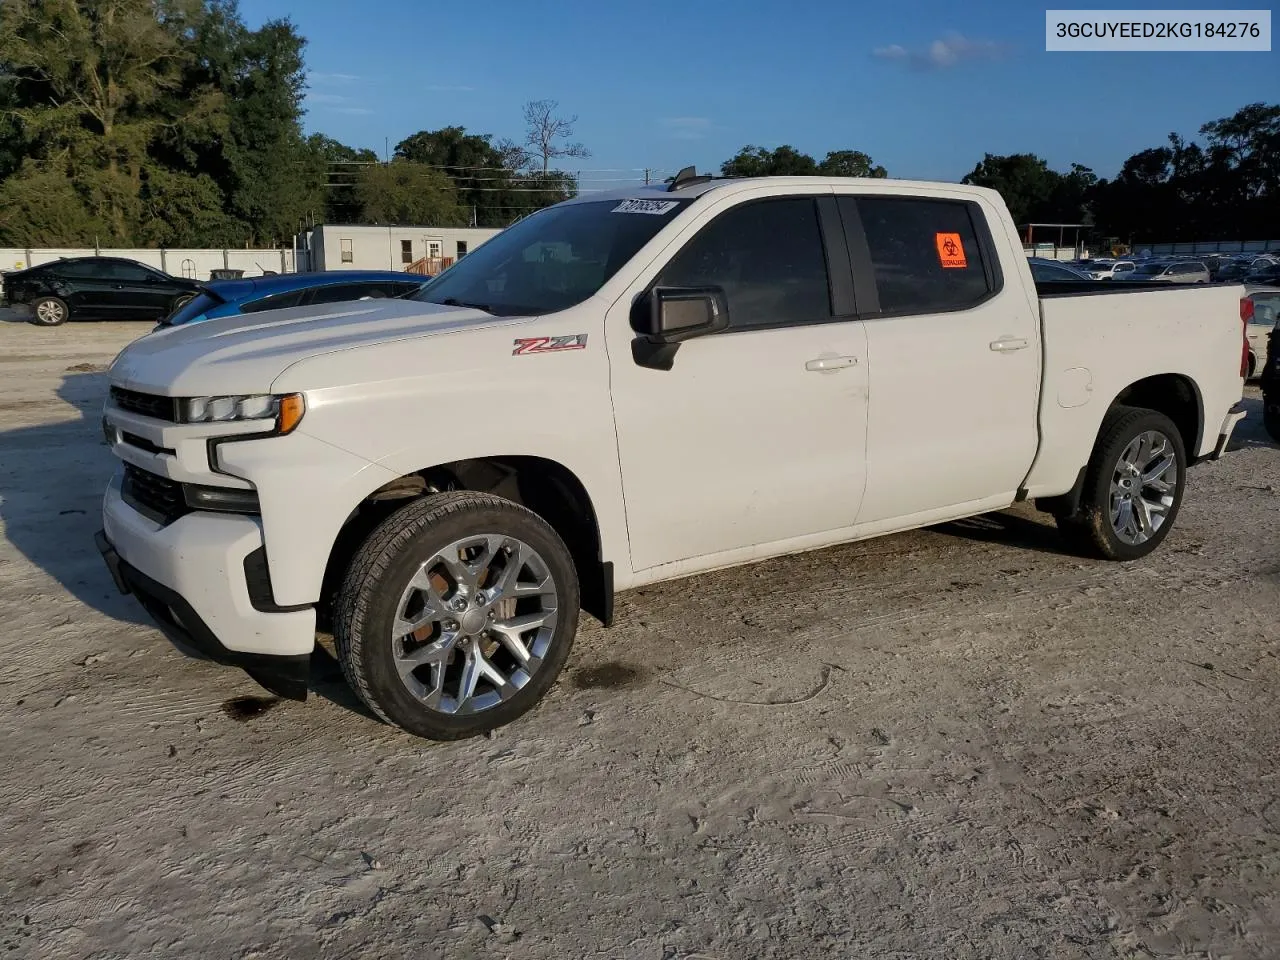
{"x": 687, "y": 178}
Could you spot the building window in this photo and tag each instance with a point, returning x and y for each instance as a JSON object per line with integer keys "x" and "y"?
{"x": 347, "y": 255}
{"x": 406, "y": 251}
{"x": 462, "y": 249}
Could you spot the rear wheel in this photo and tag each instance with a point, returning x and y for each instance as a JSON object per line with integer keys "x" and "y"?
{"x": 1133, "y": 486}
{"x": 456, "y": 615}
{"x": 49, "y": 312}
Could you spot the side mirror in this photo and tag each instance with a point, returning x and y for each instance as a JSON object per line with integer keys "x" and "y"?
{"x": 676, "y": 314}
{"x": 668, "y": 316}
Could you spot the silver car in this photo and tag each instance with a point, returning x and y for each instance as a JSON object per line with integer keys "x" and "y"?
{"x": 1169, "y": 271}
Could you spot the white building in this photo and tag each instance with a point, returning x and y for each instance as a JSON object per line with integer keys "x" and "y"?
{"x": 352, "y": 247}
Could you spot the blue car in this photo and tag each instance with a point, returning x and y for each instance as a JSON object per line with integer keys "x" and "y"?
{"x": 227, "y": 298}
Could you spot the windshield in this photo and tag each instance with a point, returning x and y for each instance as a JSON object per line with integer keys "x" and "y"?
{"x": 551, "y": 260}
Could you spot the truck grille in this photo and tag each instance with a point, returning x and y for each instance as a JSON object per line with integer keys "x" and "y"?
{"x": 147, "y": 404}
{"x": 153, "y": 496}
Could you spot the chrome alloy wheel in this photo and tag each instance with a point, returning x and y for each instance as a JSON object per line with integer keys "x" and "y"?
{"x": 474, "y": 624}
{"x": 1143, "y": 487}
{"x": 50, "y": 312}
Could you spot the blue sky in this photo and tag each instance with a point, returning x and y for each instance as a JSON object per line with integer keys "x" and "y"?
{"x": 925, "y": 88}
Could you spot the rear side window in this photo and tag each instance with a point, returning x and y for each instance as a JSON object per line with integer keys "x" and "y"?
{"x": 278, "y": 302}
{"x": 340, "y": 292}
{"x": 769, "y": 259}
{"x": 925, "y": 254}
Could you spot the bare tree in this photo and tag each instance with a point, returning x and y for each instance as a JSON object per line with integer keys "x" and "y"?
{"x": 548, "y": 131}
{"x": 514, "y": 156}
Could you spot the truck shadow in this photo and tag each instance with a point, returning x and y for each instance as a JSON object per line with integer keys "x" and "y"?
{"x": 52, "y": 477}
{"x": 1010, "y": 530}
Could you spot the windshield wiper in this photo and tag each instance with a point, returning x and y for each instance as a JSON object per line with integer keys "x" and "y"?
{"x": 455, "y": 302}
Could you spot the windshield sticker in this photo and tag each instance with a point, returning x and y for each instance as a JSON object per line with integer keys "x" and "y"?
{"x": 950, "y": 251}
{"x": 658, "y": 207}
{"x": 527, "y": 345}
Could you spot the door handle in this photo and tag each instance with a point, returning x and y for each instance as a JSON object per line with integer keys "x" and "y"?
{"x": 1009, "y": 344}
{"x": 830, "y": 364}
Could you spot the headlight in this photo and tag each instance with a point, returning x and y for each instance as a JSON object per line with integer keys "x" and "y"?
{"x": 286, "y": 410}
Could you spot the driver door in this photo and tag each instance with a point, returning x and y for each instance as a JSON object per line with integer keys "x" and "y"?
{"x": 756, "y": 435}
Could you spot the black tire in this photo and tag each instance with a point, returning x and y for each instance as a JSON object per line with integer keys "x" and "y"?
{"x": 1090, "y": 530}
{"x": 366, "y": 607}
{"x": 1271, "y": 414}
{"x": 54, "y": 310}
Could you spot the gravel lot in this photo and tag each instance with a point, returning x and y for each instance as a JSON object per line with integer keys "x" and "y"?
{"x": 955, "y": 743}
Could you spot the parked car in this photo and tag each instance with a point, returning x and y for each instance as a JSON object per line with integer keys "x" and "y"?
{"x": 1044, "y": 271}
{"x": 692, "y": 383}
{"x": 225, "y": 298}
{"x": 1233, "y": 270}
{"x": 1265, "y": 272}
{"x": 1262, "y": 315}
{"x": 95, "y": 288}
{"x": 1168, "y": 271}
{"x": 1109, "y": 269}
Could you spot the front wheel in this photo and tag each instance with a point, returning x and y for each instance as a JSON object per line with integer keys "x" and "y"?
{"x": 1133, "y": 486}
{"x": 456, "y": 615}
{"x": 49, "y": 312}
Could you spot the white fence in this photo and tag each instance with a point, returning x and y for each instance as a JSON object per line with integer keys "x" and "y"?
{"x": 192, "y": 264}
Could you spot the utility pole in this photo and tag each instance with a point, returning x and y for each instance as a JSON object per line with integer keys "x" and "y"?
{"x": 646, "y": 176}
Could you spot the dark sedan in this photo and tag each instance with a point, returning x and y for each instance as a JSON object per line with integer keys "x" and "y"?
{"x": 95, "y": 288}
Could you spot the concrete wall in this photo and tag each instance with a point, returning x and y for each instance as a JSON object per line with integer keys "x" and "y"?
{"x": 194, "y": 264}
{"x": 381, "y": 248}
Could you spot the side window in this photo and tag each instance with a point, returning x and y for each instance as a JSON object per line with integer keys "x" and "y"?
{"x": 406, "y": 251}
{"x": 278, "y": 302}
{"x": 126, "y": 273}
{"x": 347, "y": 255}
{"x": 769, "y": 259}
{"x": 337, "y": 293}
{"x": 925, "y": 255}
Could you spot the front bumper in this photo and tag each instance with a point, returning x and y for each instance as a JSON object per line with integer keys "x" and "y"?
{"x": 191, "y": 576}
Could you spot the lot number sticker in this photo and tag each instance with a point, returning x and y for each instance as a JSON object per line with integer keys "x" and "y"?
{"x": 658, "y": 207}
{"x": 950, "y": 251}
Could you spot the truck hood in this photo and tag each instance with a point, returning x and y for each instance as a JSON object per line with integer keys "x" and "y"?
{"x": 244, "y": 354}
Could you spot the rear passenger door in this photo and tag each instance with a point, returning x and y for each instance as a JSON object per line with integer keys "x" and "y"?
{"x": 954, "y": 358}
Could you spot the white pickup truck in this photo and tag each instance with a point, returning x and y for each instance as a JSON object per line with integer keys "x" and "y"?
{"x": 631, "y": 388}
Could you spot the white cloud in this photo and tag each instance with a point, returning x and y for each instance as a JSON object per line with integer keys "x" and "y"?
{"x": 318, "y": 77}
{"x": 686, "y": 128}
{"x": 950, "y": 51}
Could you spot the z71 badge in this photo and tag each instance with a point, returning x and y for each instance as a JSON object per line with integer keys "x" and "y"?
{"x": 526, "y": 345}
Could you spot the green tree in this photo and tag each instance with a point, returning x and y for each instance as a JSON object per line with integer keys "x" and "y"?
{"x": 97, "y": 76}
{"x": 338, "y": 167}
{"x": 405, "y": 192}
{"x": 850, "y": 163}
{"x": 785, "y": 161}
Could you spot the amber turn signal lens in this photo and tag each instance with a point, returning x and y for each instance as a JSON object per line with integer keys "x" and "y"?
{"x": 292, "y": 407}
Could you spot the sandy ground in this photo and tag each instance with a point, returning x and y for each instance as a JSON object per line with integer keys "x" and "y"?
{"x": 956, "y": 743}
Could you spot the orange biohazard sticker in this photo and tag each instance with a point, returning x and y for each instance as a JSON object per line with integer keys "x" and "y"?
{"x": 950, "y": 250}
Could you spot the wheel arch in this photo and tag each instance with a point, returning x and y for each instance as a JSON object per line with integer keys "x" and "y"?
{"x": 547, "y": 487}
{"x": 1175, "y": 395}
